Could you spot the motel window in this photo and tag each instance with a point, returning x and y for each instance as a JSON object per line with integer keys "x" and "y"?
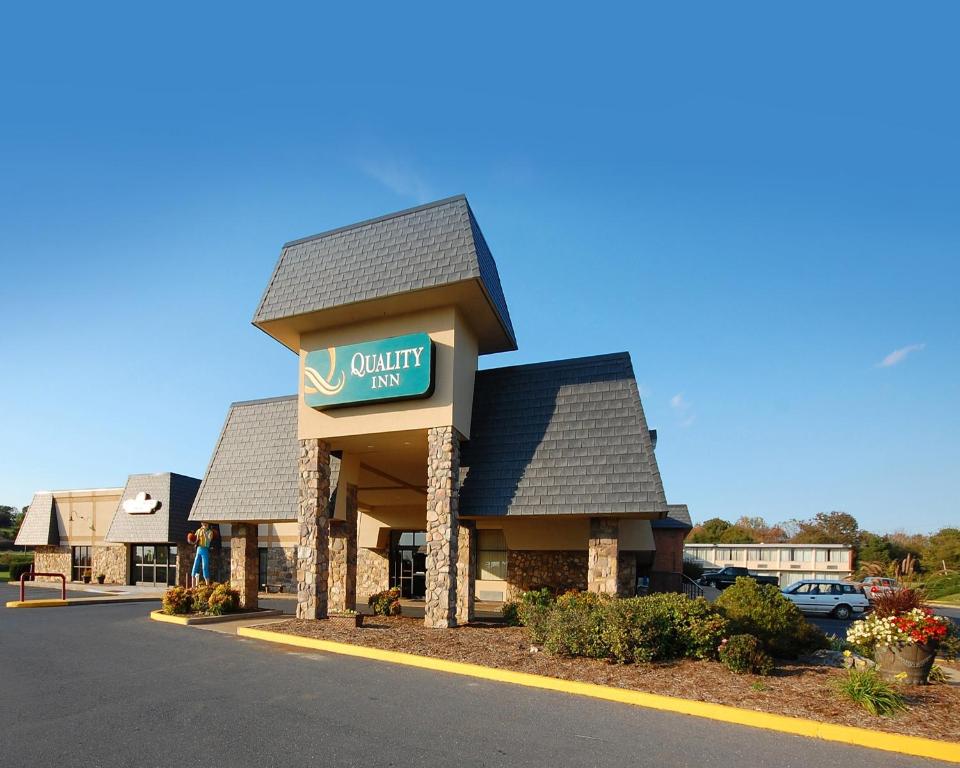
{"x": 803, "y": 555}
{"x": 821, "y": 555}
{"x": 491, "y": 555}
{"x": 738, "y": 554}
{"x": 723, "y": 555}
{"x": 838, "y": 556}
{"x": 766, "y": 555}
{"x": 786, "y": 555}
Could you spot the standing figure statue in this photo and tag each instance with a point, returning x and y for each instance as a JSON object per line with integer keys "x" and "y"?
{"x": 203, "y": 537}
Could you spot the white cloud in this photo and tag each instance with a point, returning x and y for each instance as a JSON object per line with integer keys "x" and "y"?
{"x": 899, "y": 355}
{"x": 683, "y": 408}
{"x": 678, "y": 402}
{"x": 398, "y": 178}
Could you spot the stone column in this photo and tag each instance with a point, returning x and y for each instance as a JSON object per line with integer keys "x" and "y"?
{"x": 466, "y": 571}
{"x": 314, "y": 529}
{"x": 343, "y": 556}
{"x": 244, "y": 563}
{"x": 602, "y": 555}
{"x": 443, "y": 489}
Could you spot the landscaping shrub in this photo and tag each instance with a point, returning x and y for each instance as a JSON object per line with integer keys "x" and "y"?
{"x": 897, "y": 601}
{"x": 574, "y": 625}
{"x": 19, "y": 568}
{"x": 511, "y": 613}
{"x": 177, "y": 600}
{"x": 942, "y": 585}
{"x": 950, "y": 645}
{"x": 762, "y": 610}
{"x": 223, "y": 599}
{"x": 533, "y": 612}
{"x": 866, "y": 688}
{"x": 386, "y": 603}
{"x": 201, "y": 598}
{"x": 743, "y": 654}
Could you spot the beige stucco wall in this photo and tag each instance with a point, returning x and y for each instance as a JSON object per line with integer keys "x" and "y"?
{"x": 570, "y": 534}
{"x": 84, "y": 516}
{"x": 456, "y": 362}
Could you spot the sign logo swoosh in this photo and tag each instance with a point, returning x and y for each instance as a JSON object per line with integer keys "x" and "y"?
{"x": 320, "y": 384}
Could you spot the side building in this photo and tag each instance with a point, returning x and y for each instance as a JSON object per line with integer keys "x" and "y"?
{"x": 789, "y": 562}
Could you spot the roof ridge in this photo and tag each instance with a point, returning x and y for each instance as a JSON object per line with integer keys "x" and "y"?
{"x": 569, "y": 362}
{"x": 377, "y": 219}
{"x": 275, "y": 399}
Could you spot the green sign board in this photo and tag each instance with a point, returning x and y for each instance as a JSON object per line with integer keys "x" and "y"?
{"x": 399, "y": 368}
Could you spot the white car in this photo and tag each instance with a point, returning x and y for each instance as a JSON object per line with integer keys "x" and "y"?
{"x": 829, "y": 598}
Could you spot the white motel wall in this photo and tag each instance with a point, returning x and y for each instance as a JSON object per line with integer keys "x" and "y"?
{"x": 790, "y": 562}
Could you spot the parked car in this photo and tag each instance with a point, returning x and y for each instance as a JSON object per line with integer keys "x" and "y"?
{"x": 726, "y": 576}
{"x": 839, "y": 599}
{"x": 874, "y": 586}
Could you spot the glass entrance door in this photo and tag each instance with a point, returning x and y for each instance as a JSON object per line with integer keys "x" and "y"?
{"x": 408, "y": 563}
{"x": 155, "y": 565}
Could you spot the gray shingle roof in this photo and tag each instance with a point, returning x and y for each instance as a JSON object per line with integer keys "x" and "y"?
{"x": 253, "y": 473}
{"x": 425, "y": 247}
{"x": 678, "y": 516}
{"x": 565, "y": 437}
{"x": 39, "y": 528}
{"x": 168, "y": 523}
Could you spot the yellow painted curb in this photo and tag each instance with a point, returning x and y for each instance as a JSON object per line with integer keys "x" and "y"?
{"x": 863, "y": 737}
{"x": 158, "y": 616}
{"x": 37, "y": 603}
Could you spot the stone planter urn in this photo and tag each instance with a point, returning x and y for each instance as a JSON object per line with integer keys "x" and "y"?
{"x": 913, "y": 661}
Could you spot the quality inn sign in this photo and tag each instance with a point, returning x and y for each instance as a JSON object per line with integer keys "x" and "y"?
{"x": 398, "y": 368}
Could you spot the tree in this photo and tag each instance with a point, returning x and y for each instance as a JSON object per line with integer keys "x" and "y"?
{"x": 737, "y": 534}
{"x": 6, "y": 515}
{"x": 829, "y": 528}
{"x": 760, "y": 531}
{"x": 942, "y": 549}
{"x": 709, "y": 532}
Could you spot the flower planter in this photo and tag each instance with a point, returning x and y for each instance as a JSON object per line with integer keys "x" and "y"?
{"x": 346, "y": 620}
{"x": 909, "y": 663}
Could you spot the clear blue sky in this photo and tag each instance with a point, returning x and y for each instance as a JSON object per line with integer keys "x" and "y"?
{"x": 759, "y": 202}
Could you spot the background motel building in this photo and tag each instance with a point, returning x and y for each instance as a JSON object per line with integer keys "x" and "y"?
{"x": 398, "y": 463}
{"x": 789, "y": 562}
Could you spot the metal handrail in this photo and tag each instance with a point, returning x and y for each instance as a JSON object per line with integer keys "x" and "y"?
{"x": 690, "y": 588}
{"x": 33, "y": 575}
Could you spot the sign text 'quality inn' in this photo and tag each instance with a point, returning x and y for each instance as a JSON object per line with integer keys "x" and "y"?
{"x": 387, "y": 369}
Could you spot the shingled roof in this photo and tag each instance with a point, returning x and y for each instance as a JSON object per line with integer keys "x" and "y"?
{"x": 175, "y": 494}
{"x": 425, "y": 247}
{"x": 253, "y": 473}
{"x": 564, "y": 437}
{"x": 39, "y": 528}
{"x": 678, "y": 516}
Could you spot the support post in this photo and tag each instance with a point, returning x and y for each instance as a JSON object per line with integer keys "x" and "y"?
{"x": 244, "y": 563}
{"x": 443, "y": 488}
{"x": 314, "y": 529}
{"x": 602, "y": 555}
{"x": 343, "y": 555}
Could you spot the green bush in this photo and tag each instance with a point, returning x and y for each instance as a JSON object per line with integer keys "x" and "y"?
{"x": 942, "y": 585}
{"x": 574, "y": 625}
{"x": 201, "y": 598}
{"x": 950, "y": 645}
{"x": 743, "y": 654}
{"x": 533, "y": 612}
{"x": 761, "y": 610}
{"x": 386, "y": 603}
{"x": 177, "y": 600}
{"x": 866, "y": 688}
{"x": 511, "y": 613}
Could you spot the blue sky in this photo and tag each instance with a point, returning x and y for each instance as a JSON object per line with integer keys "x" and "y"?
{"x": 759, "y": 202}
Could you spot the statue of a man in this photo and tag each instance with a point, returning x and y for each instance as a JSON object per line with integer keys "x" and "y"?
{"x": 203, "y": 537}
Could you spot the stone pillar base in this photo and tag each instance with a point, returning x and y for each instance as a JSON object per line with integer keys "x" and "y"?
{"x": 443, "y": 489}
{"x": 313, "y": 555}
{"x": 343, "y": 557}
{"x": 602, "y": 555}
{"x": 245, "y": 563}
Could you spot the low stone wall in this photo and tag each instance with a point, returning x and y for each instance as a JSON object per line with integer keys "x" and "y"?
{"x": 52, "y": 560}
{"x": 373, "y": 572}
{"x": 113, "y": 562}
{"x": 528, "y": 569}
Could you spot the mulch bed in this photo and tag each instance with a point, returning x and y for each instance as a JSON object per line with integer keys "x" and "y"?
{"x": 797, "y": 690}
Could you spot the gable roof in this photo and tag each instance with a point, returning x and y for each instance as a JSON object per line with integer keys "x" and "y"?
{"x": 678, "y": 516}
{"x": 564, "y": 437}
{"x": 39, "y": 527}
{"x": 424, "y": 247}
{"x": 253, "y": 473}
{"x": 175, "y": 494}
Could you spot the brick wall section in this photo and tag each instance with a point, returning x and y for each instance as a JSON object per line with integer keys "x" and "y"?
{"x": 244, "y": 563}
{"x": 313, "y": 564}
{"x": 669, "y": 555}
{"x": 343, "y": 557}
{"x": 443, "y": 488}
{"x": 52, "y": 560}
{"x": 373, "y": 572}
{"x": 466, "y": 570}
{"x": 602, "y": 555}
{"x": 558, "y": 570}
{"x": 113, "y": 562}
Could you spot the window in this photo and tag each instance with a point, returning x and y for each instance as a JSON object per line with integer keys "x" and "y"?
{"x": 723, "y": 556}
{"x": 821, "y": 555}
{"x": 803, "y": 555}
{"x": 491, "y": 555}
{"x": 738, "y": 554}
{"x": 786, "y": 555}
{"x": 838, "y": 556}
{"x": 81, "y": 563}
{"x": 766, "y": 555}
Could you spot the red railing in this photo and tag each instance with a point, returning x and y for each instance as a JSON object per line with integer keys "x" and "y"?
{"x": 32, "y": 575}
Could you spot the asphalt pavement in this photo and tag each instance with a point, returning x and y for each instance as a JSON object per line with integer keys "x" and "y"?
{"x": 104, "y": 686}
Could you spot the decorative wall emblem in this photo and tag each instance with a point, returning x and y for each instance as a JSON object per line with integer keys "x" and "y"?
{"x": 397, "y": 368}
{"x": 141, "y": 504}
